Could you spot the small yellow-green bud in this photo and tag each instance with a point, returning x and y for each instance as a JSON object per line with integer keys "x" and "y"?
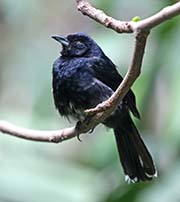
{"x": 136, "y": 19}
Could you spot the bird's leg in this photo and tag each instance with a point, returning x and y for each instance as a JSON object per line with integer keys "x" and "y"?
{"x": 81, "y": 126}
{"x": 87, "y": 120}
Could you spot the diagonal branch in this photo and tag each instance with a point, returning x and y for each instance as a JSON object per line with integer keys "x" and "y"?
{"x": 165, "y": 14}
{"x": 99, "y": 16}
{"x": 95, "y": 116}
{"x": 132, "y": 74}
{"x": 140, "y": 30}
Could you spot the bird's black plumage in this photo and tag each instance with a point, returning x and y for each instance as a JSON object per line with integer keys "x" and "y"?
{"x": 83, "y": 76}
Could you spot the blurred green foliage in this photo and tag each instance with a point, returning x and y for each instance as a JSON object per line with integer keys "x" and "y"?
{"x": 87, "y": 171}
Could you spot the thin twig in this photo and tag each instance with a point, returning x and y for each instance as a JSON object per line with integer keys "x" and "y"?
{"x": 165, "y": 14}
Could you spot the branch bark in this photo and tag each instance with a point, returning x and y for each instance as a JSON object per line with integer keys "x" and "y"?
{"x": 96, "y": 115}
{"x": 55, "y": 136}
{"x": 128, "y": 26}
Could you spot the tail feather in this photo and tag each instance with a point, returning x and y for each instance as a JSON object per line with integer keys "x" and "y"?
{"x": 134, "y": 155}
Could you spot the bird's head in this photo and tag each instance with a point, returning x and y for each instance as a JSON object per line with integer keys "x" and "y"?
{"x": 78, "y": 45}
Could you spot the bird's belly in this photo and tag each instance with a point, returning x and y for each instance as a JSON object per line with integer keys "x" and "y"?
{"x": 75, "y": 113}
{"x": 68, "y": 109}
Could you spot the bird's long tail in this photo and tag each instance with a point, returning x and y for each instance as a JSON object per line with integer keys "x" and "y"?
{"x": 136, "y": 160}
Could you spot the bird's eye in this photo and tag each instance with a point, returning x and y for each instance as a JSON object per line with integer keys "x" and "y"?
{"x": 79, "y": 45}
{"x": 78, "y": 48}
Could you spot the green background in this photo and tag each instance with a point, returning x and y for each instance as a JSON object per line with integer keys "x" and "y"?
{"x": 87, "y": 171}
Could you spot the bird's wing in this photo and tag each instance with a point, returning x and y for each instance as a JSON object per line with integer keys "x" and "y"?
{"x": 107, "y": 73}
{"x": 88, "y": 91}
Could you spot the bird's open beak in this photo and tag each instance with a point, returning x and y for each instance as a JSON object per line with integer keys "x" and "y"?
{"x": 61, "y": 39}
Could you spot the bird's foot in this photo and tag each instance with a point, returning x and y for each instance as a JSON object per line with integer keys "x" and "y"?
{"x": 78, "y": 135}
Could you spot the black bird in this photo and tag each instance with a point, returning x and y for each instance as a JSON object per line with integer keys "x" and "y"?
{"x": 83, "y": 76}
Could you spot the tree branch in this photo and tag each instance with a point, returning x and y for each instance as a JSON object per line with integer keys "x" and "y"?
{"x": 128, "y": 26}
{"x": 55, "y": 136}
{"x": 132, "y": 74}
{"x": 96, "y": 115}
{"x": 99, "y": 16}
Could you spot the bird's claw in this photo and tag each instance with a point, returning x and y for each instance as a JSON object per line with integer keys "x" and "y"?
{"x": 78, "y": 137}
{"x": 91, "y": 131}
{"x": 77, "y": 126}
